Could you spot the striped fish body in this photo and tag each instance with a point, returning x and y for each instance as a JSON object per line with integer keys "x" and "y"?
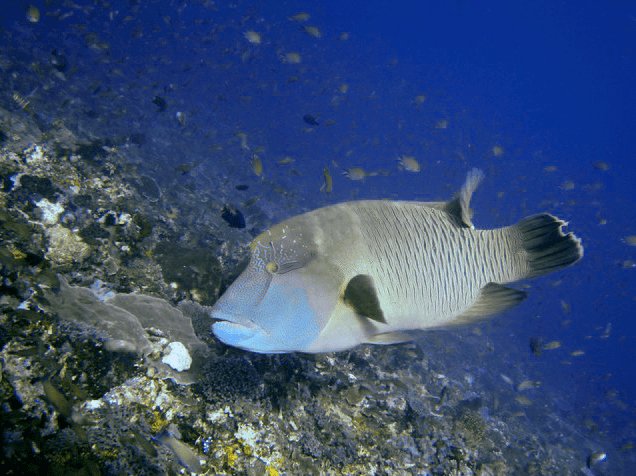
{"x": 370, "y": 271}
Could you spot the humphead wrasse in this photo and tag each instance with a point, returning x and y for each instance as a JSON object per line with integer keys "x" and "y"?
{"x": 369, "y": 271}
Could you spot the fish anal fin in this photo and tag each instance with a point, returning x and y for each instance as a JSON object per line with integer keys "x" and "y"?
{"x": 389, "y": 338}
{"x": 493, "y": 299}
{"x": 361, "y": 296}
{"x": 459, "y": 207}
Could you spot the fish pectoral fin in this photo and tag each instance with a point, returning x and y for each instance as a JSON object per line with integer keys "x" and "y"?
{"x": 459, "y": 207}
{"x": 361, "y": 296}
{"x": 389, "y": 338}
{"x": 493, "y": 299}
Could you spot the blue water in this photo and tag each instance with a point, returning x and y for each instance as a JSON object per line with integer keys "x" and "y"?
{"x": 550, "y": 82}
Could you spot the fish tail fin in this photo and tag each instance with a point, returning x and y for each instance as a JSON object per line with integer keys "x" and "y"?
{"x": 547, "y": 247}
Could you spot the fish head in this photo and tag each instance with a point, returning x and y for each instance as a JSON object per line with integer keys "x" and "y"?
{"x": 284, "y": 298}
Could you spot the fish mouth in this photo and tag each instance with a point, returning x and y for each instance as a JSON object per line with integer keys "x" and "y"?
{"x": 245, "y": 335}
{"x": 230, "y": 332}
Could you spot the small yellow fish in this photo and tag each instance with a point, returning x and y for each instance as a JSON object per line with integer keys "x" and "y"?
{"x": 600, "y": 165}
{"x": 497, "y": 151}
{"x": 631, "y": 240}
{"x": 290, "y": 58}
{"x": 243, "y": 136}
{"x": 257, "y": 165}
{"x": 507, "y": 379}
{"x": 355, "y": 173}
{"x": 410, "y": 164}
{"x": 327, "y": 187}
{"x": 253, "y": 37}
{"x": 419, "y": 99}
{"x": 566, "y": 307}
{"x": 33, "y": 14}
{"x": 182, "y": 118}
{"x": 525, "y": 401}
{"x": 312, "y": 31}
{"x": 596, "y": 457}
{"x": 555, "y": 344}
{"x": 577, "y": 353}
{"x": 300, "y": 17}
{"x": 528, "y": 384}
{"x": 286, "y": 161}
{"x": 568, "y": 185}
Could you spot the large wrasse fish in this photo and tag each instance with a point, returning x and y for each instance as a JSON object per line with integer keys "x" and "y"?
{"x": 371, "y": 271}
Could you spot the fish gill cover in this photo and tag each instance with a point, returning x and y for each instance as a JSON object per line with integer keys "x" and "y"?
{"x": 145, "y": 144}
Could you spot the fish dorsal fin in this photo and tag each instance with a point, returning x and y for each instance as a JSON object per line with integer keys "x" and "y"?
{"x": 459, "y": 207}
{"x": 361, "y": 296}
{"x": 493, "y": 299}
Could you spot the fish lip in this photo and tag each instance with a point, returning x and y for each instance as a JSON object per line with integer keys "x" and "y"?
{"x": 239, "y": 320}
{"x": 237, "y": 330}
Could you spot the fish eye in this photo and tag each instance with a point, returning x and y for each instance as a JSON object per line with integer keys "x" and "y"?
{"x": 272, "y": 267}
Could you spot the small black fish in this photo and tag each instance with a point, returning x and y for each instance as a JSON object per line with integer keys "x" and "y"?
{"x": 160, "y": 103}
{"x": 58, "y": 61}
{"x": 233, "y": 216}
{"x": 311, "y": 120}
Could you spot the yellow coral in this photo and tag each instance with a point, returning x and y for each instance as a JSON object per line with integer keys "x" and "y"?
{"x": 159, "y": 422}
{"x": 17, "y": 254}
{"x": 230, "y": 455}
